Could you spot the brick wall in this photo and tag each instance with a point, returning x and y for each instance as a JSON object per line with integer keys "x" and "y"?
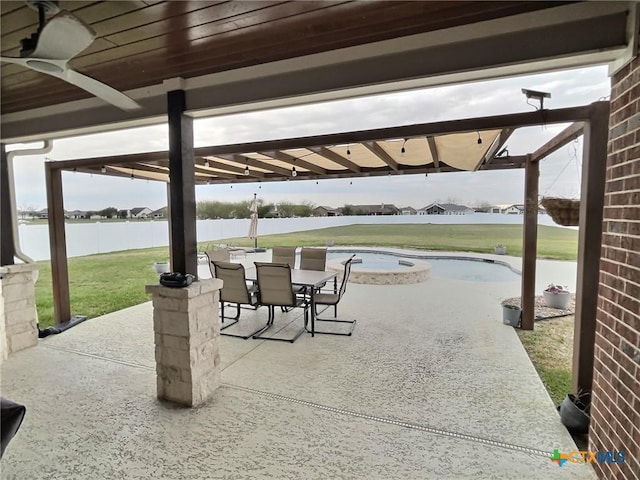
{"x": 615, "y": 410}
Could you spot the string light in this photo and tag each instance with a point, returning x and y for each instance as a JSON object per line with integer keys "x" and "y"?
{"x": 132, "y": 177}
{"x": 246, "y": 170}
{"x": 403, "y": 150}
{"x": 294, "y": 173}
{"x": 103, "y": 169}
{"x": 348, "y": 149}
{"x": 206, "y": 163}
{"x": 479, "y": 139}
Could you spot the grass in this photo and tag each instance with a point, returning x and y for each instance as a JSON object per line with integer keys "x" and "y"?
{"x": 553, "y": 242}
{"x": 104, "y": 283}
{"x": 550, "y": 347}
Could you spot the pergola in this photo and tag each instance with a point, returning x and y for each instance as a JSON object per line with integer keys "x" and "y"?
{"x": 247, "y": 56}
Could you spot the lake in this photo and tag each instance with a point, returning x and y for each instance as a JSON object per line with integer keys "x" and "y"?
{"x": 98, "y": 237}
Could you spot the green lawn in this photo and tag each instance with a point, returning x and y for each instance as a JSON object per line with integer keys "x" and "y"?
{"x": 104, "y": 283}
{"x": 553, "y": 242}
{"x": 550, "y": 347}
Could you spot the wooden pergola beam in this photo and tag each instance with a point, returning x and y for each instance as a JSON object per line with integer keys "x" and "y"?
{"x": 594, "y": 161}
{"x": 228, "y": 168}
{"x": 503, "y": 136}
{"x": 335, "y": 158}
{"x": 379, "y": 152}
{"x": 290, "y": 159}
{"x": 529, "y": 244}
{"x": 433, "y": 148}
{"x": 57, "y": 243}
{"x": 569, "y": 134}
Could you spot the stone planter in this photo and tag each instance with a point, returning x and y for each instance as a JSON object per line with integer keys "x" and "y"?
{"x": 511, "y": 315}
{"x": 557, "y": 300}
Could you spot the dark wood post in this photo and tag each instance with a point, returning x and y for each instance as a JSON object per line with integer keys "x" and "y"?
{"x": 594, "y": 162}
{"x": 7, "y": 247}
{"x": 57, "y": 244}
{"x": 529, "y": 243}
{"x": 182, "y": 206}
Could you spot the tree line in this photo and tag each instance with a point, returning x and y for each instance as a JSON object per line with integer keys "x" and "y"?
{"x": 207, "y": 210}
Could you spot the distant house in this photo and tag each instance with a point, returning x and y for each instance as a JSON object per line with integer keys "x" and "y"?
{"x": 382, "y": 209}
{"x": 159, "y": 213}
{"x": 514, "y": 210}
{"x": 326, "y": 212}
{"x": 76, "y": 214}
{"x": 408, "y": 211}
{"x": 42, "y": 213}
{"x": 140, "y": 212}
{"x": 445, "y": 209}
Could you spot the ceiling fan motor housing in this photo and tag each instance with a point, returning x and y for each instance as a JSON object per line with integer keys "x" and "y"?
{"x": 45, "y": 8}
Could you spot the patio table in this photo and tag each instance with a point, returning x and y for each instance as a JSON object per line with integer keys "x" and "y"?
{"x": 311, "y": 279}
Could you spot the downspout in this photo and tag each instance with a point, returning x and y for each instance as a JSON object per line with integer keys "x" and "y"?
{"x": 46, "y": 148}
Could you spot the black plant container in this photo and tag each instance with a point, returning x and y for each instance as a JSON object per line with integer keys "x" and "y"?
{"x": 574, "y": 413}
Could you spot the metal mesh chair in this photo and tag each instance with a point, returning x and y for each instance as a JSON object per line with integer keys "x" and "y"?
{"x": 217, "y": 256}
{"x": 284, "y": 255}
{"x": 234, "y": 290}
{"x": 313, "y": 258}
{"x": 332, "y": 299}
{"x": 276, "y": 290}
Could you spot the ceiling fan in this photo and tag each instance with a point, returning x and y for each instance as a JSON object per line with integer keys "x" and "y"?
{"x": 56, "y": 42}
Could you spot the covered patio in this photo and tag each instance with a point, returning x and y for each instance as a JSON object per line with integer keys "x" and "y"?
{"x": 184, "y": 60}
{"x": 450, "y": 394}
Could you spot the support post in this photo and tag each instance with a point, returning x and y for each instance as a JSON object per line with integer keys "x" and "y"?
{"x": 57, "y": 244}
{"x": 594, "y": 162}
{"x": 182, "y": 205}
{"x": 529, "y": 243}
{"x": 7, "y": 247}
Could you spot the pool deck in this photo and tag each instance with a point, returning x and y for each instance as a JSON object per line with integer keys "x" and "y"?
{"x": 431, "y": 385}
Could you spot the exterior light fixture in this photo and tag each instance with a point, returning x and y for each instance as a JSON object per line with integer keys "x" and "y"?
{"x": 103, "y": 169}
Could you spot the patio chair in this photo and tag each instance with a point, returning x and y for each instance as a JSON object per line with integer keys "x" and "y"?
{"x": 216, "y": 256}
{"x": 284, "y": 255}
{"x": 332, "y": 299}
{"x": 313, "y": 259}
{"x": 234, "y": 290}
{"x": 276, "y": 290}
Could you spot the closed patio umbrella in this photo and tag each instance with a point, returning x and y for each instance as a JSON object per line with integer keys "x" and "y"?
{"x": 253, "y": 226}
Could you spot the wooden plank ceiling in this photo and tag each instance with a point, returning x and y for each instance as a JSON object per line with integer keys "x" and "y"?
{"x": 144, "y": 42}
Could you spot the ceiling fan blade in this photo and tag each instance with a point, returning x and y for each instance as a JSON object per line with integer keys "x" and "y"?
{"x": 17, "y": 61}
{"x": 99, "y": 89}
{"x": 63, "y": 37}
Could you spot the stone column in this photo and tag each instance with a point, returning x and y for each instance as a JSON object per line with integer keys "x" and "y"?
{"x": 18, "y": 315}
{"x": 187, "y": 333}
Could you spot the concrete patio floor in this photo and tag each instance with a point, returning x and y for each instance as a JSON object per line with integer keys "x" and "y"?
{"x": 431, "y": 385}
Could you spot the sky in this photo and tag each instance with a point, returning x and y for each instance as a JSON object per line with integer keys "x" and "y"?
{"x": 559, "y": 173}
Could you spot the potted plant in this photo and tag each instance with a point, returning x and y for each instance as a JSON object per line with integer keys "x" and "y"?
{"x": 575, "y": 412}
{"x": 511, "y": 314}
{"x": 500, "y": 249}
{"x": 556, "y": 296}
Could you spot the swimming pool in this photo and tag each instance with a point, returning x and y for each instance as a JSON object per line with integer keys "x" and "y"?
{"x": 457, "y": 268}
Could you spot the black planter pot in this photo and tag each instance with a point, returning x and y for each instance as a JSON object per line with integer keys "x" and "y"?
{"x": 573, "y": 415}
